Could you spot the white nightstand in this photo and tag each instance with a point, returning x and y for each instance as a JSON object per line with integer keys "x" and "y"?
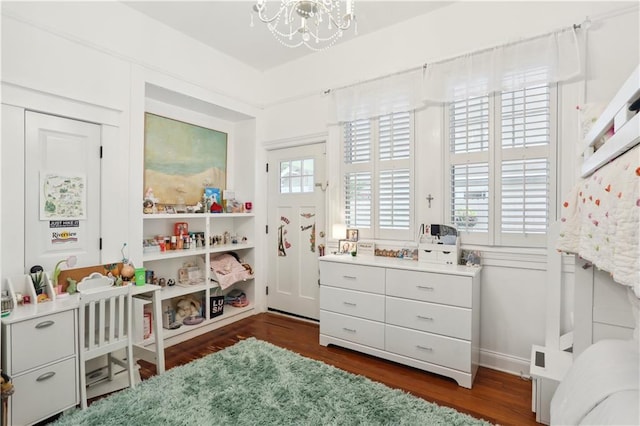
{"x": 548, "y": 367}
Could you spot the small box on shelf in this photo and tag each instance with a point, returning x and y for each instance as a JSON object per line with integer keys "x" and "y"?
{"x": 216, "y": 305}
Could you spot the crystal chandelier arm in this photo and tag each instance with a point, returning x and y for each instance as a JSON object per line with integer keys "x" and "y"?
{"x": 261, "y": 8}
{"x": 316, "y": 30}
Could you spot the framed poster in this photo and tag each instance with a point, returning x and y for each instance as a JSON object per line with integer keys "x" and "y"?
{"x": 181, "y": 159}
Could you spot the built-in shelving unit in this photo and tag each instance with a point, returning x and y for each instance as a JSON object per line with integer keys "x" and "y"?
{"x": 166, "y": 264}
{"x": 175, "y": 99}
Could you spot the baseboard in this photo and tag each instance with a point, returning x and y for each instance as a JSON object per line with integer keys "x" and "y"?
{"x": 505, "y": 363}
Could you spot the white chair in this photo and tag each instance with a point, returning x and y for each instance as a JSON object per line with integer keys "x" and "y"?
{"x": 105, "y": 326}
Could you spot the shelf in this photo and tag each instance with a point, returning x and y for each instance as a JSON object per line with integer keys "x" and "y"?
{"x": 178, "y": 290}
{"x": 229, "y": 312}
{"x": 181, "y": 216}
{"x": 172, "y": 254}
{"x": 230, "y": 247}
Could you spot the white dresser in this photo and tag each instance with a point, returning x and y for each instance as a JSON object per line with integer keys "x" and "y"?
{"x": 39, "y": 352}
{"x": 423, "y": 315}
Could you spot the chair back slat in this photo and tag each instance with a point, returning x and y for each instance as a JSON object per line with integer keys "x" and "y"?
{"x": 121, "y": 324}
{"x": 91, "y": 341}
{"x": 105, "y": 313}
{"x": 101, "y": 322}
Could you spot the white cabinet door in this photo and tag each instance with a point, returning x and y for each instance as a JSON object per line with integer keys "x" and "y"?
{"x": 62, "y": 190}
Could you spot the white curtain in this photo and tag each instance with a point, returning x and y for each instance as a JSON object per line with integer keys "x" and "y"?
{"x": 546, "y": 59}
{"x": 396, "y": 93}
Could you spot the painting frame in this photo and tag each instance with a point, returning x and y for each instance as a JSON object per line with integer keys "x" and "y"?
{"x": 346, "y": 246}
{"x": 181, "y": 159}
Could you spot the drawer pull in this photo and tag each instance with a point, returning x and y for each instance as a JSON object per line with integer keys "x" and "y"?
{"x": 350, "y": 330}
{"x": 425, "y": 287}
{"x": 424, "y": 348}
{"x": 45, "y": 324}
{"x": 349, "y": 303}
{"x": 46, "y": 376}
{"x": 425, "y": 318}
{"x": 349, "y": 277}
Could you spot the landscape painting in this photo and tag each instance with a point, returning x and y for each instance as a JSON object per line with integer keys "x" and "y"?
{"x": 181, "y": 159}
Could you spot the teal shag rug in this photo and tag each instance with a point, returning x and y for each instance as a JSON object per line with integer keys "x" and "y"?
{"x": 257, "y": 383}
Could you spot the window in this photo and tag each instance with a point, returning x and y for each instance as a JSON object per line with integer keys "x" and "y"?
{"x": 378, "y": 176}
{"x": 296, "y": 176}
{"x": 502, "y": 166}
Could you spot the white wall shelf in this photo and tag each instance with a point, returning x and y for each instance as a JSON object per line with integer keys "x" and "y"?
{"x": 166, "y": 264}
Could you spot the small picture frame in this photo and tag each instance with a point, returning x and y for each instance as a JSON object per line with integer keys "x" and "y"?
{"x": 169, "y": 210}
{"x": 366, "y": 248}
{"x": 346, "y": 246}
{"x": 352, "y": 234}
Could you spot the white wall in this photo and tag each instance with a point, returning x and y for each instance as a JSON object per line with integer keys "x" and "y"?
{"x": 513, "y": 292}
{"x": 101, "y": 55}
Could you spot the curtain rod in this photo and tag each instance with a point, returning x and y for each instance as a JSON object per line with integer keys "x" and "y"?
{"x": 586, "y": 23}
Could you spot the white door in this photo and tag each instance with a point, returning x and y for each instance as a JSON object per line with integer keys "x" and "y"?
{"x": 62, "y": 196}
{"x": 296, "y": 228}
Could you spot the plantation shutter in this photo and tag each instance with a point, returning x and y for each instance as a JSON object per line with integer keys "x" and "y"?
{"x": 378, "y": 176}
{"x": 394, "y": 184}
{"x": 357, "y": 177}
{"x": 394, "y": 137}
{"x": 394, "y": 210}
{"x": 525, "y": 167}
{"x": 469, "y": 165}
{"x": 525, "y": 196}
{"x": 469, "y": 125}
{"x": 357, "y": 142}
{"x": 357, "y": 208}
{"x": 470, "y": 197}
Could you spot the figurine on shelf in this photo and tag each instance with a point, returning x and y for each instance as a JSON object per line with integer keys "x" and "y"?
{"x": 149, "y": 202}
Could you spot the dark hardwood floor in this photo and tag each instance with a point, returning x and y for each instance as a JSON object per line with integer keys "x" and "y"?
{"x": 499, "y": 398}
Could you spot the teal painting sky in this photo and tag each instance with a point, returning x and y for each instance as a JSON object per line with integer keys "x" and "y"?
{"x": 177, "y": 148}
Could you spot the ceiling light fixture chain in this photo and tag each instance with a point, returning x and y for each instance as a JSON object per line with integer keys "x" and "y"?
{"x": 317, "y": 24}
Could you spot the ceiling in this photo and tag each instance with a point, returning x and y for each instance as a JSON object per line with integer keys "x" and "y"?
{"x": 224, "y": 25}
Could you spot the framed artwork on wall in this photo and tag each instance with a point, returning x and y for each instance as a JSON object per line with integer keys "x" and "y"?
{"x": 181, "y": 159}
{"x": 346, "y": 246}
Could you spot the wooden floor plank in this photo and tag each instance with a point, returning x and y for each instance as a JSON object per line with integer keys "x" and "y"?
{"x": 497, "y": 397}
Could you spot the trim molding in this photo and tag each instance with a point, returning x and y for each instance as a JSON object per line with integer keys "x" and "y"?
{"x": 505, "y": 363}
{"x": 47, "y": 103}
{"x": 296, "y": 141}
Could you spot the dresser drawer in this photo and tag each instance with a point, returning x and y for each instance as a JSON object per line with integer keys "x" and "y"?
{"x": 42, "y": 340}
{"x": 352, "y": 277}
{"x": 444, "y": 351}
{"x": 430, "y": 287}
{"x": 424, "y": 316}
{"x": 354, "y": 303}
{"x": 44, "y": 391}
{"x": 357, "y": 330}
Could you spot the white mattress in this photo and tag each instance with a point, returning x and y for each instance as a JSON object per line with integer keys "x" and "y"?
{"x": 600, "y": 385}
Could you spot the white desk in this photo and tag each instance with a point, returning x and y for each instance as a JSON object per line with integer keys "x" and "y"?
{"x": 40, "y": 352}
{"x": 152, "y": 292}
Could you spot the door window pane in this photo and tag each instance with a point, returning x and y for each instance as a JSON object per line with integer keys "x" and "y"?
{"x": 297, "y": 176}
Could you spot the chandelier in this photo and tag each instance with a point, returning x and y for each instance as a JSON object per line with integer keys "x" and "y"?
{"x": 317, "y": 24}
